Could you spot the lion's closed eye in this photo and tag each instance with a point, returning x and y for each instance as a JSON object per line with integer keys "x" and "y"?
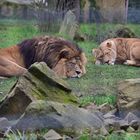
{"x": 106, "y": 53}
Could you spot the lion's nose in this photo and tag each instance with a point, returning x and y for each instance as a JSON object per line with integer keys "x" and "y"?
{"x": 78, "y": 72}
{"x": 107, "y": 62}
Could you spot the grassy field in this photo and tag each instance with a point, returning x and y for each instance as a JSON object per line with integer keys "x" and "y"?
{"x": 99, "y": 85}
{"x": 100, "y": 82}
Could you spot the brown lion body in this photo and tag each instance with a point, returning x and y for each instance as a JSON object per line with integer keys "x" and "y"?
{"x": 118, "y": 51}
{"x": 64, "y": 57}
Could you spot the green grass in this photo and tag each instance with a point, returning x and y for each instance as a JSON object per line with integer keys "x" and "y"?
{"x": 11, "y": 35}
{"x": 113, "y": 136}
{"x": 100, "y": 82}
{"x": 33, "y": 136}
{"x": 99, "y": 85}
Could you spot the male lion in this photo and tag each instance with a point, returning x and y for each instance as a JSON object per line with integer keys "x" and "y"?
{"x": 118, "y": 51}
{"x": 62, "y": 56}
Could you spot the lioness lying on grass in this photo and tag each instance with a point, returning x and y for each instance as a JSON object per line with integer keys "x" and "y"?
{"x": 118, "y": 51}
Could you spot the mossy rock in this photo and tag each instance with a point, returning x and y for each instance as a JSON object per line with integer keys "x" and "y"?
{"x": 40, "y": 83}
{"x": 129, "y": 96}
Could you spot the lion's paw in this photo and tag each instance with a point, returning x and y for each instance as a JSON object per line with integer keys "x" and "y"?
{"x": 125, "y": 63}
{"x": 129, "y": 62}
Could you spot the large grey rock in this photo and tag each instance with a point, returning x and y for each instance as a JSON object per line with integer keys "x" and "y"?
{"x": 117, "y": 123}
{"x": 4, "y": 124}
{"x": 40, "y": 83}
{"x": 58, "y": 116}
{"x": 129, "y": 96}
{"x": 132, "y": 120}
{"x": 52, "y": 135}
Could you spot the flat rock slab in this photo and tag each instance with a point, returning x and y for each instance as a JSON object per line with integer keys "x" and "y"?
{"x": 130, "y": 87}
{"x": 4, "y": 124}
{"x": 40, "y": 83}
{"x": 52, "y": 135}
{"x": 58, "y": 116}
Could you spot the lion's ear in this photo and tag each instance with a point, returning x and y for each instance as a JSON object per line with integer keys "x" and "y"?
{"x": 64, "y": 54}
{"x": 109, "y": 44}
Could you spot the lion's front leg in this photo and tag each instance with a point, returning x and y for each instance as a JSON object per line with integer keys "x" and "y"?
{"x": 130, "y": 62}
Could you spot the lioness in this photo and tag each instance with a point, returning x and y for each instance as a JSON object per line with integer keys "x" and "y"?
{"x": 62, "y": 56}
{"x": 118, "y": 51}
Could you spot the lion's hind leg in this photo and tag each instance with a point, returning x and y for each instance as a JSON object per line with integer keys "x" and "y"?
{"x": 9, "y": 68}
{"x": 134, "y": 55}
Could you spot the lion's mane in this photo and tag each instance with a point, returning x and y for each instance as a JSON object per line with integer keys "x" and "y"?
{"x": 47, "y": 49}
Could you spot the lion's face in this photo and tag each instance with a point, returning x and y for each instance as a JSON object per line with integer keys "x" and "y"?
{"x": 71, "y": 68}
{"x": 105, "y": 54}
{"x": 74, "y": 68}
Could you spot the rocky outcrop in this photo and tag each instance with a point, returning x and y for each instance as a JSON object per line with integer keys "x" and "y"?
{"x": 70, "y": 119}
{"x": 40, "y": 83}
{"x": 129, "y": 96}
{"x": 40, "y": 99}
